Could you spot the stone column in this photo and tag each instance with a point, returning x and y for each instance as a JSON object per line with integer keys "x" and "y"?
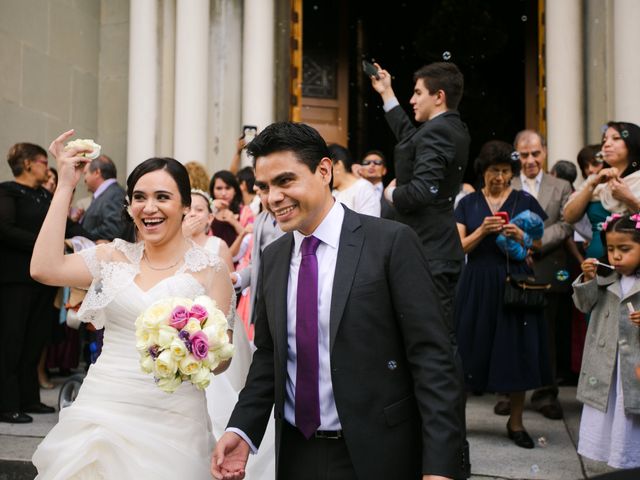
{"x": 192, "y": 54}
{"x": 626, "y": 42}
{"x": 258, "y": 71}
{"x": 565, "y": 112}
{"x": 143, "y": 82}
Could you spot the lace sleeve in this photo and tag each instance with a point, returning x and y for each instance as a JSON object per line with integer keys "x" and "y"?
{"x": 212, "y": 273}
{"x": 111, "y": 267}
{"x": 90, "y": 258}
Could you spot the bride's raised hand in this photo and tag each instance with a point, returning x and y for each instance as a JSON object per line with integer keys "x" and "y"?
{"x": 70, "y": 163}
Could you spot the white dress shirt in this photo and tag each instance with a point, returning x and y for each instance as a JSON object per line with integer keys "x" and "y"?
{"x": 524, "y": 180}
{"x": 361, "y": 197}
{"x": 103, "y": 186}
{"x": 328, "y": 232}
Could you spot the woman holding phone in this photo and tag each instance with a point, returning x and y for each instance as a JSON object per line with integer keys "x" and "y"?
{"x": 502, "y": 350}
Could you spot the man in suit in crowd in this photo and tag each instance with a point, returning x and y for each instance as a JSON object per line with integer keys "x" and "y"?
{"x": 103, "y": 219}
{"x": 430, "y": 161}
{"x": 352, "y": 347}
{"x": 550, "y": 262}
{"x": 373, "y": 168}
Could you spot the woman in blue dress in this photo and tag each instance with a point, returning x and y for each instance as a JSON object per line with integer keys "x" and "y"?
{"x": 502, "y": 350}
{"x": 612, "y": 190}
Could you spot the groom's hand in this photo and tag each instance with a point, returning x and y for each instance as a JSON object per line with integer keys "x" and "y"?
{"x": 230, "y": 457}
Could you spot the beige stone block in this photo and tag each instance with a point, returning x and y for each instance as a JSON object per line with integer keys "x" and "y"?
{"x": 46, "y": 84}
{"x": 114, "y": 50}
{"x": 26, "y": 20}
{"x": 10, "y": 68}
{"x": 112, "y": 105}
{"x": 114, "y": 11}
{"x": 91, "y": 8}
{"x": 18, "y": 124}
{"x": 75, "y": 36}
{"x": 84, "y": 101}
{"x": 54, "y": 127}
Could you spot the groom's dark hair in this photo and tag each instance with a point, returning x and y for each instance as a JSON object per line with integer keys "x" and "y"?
{"x": 301, "y": 139}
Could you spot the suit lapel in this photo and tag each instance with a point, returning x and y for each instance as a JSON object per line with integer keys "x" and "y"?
{"x": 544, "y": 193}
{"x": 279, "y": 278}
{"x": 349, "y": 249}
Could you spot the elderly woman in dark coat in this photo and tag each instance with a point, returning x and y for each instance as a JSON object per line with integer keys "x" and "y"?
{"x": 502, "y": 349}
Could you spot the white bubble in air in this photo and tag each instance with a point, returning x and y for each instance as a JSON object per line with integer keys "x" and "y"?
{"x": 446, "y": 55}
{"x": 524, "y": 18}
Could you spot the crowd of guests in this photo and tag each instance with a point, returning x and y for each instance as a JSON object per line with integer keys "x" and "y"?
{"x": 589, "y": 248}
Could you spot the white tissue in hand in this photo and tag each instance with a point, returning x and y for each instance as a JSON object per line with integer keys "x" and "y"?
{"x": 85, "y": 143}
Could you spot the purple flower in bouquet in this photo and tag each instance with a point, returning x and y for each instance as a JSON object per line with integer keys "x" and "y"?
{"x": 154, "y": 351}
{"x": 199, "y": 345}
{"x": 184, "y": 336}
{"x": 179, "y": 317}
{"x": 199, "y": 312}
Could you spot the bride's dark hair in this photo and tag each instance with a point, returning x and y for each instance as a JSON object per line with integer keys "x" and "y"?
{"x": 173, "y": 167}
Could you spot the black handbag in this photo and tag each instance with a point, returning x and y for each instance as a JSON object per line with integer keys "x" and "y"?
{"x": 522, "y": 291}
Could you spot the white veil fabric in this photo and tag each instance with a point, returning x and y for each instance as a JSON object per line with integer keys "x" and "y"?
{"x": 222, "y": 395}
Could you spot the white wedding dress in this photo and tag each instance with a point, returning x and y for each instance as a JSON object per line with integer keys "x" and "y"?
{"x": 222, "y": 395}
{"x": 122, "y": 426}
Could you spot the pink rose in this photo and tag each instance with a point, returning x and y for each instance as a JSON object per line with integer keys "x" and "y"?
{"x": 199, "y": 345}
{"x": 179, "y": 317}
{"x": 199, "y": 313}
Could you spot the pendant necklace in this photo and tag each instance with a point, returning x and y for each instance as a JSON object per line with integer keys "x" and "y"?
{"x": 161, "y": 268}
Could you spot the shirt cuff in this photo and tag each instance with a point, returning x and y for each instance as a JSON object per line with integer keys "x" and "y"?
{"x": 390, "y": 104}
{"x": 244, "y": 436}
{"x": 388, "y": 194}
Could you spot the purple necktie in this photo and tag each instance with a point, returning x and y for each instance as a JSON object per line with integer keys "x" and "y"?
{"x": 307, "y": 397}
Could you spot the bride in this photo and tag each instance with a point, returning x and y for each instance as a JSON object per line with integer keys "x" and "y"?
{"x": 122, "y": 425}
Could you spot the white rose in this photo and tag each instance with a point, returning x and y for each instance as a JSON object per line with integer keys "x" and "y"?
{"x": 217, "y": 318}
{"x": 212, "y": 361}
{"x": 217, "y": 336}
{"x": 166, "y": 366}
{"x": 192, "y": 326}
{"x": 225, "y": 352}
{"x": 170, "y": 384}
{"x": 156, "y": 315}
{"x": 181, "y": 302}
{"x": 207, "y": 302}
{"x": 145, "y": 339}
{"x": 189, "y": 365}
{"x": 85, "y": 143}
{"x": 166, "y": 335}
{"x": 178, "y": 348}
{"x": 146, "y": 363}
{"x": 201, "y": 378}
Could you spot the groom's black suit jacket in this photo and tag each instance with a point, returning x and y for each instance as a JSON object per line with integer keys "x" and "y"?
{"x": 395, "y": 385}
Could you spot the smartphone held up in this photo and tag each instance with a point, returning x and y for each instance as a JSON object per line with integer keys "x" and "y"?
{"x": 370, "y": 69}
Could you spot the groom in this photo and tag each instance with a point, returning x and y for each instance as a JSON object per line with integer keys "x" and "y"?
{"x": 351, "y": 343}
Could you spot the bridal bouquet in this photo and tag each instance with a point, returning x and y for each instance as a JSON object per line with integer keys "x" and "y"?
{"x": 180, "y": 339}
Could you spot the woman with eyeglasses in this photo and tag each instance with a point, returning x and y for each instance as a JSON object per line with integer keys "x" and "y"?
{"x": 502, "y": 349}
{"x": 25, "y": 305}
{"x": 611, "y": 190}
